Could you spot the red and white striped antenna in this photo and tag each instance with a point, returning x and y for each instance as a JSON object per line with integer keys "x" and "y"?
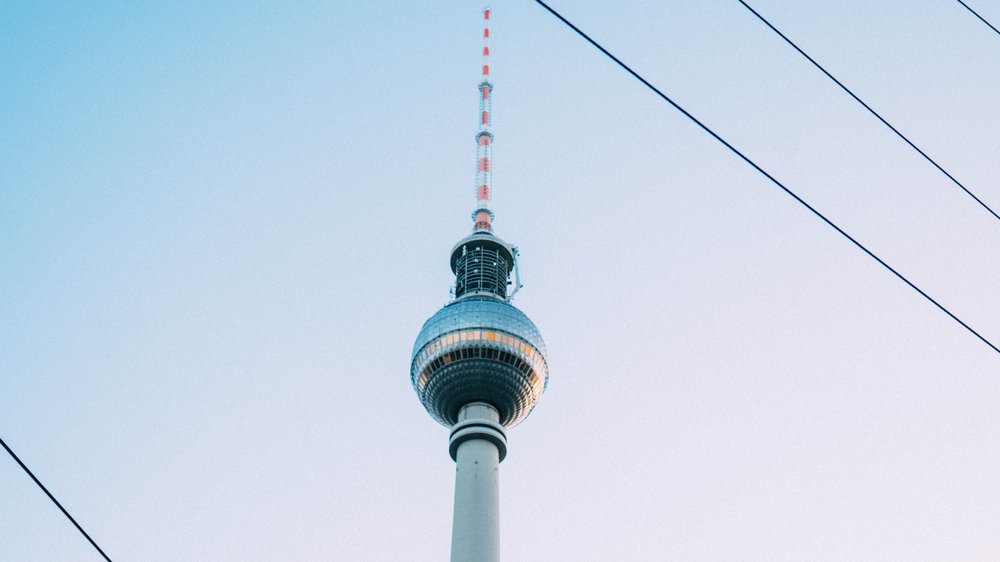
{"x": 482, "y": 215}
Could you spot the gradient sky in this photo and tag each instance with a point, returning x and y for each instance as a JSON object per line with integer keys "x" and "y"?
{"x": 222, "y": 225}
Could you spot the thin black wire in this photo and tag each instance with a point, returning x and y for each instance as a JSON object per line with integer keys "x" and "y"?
{"x": 978, "y": 16}
{"x": 54, "y": 500}
{"x": 870, "y": 110}
{"x": 765, "y": 174}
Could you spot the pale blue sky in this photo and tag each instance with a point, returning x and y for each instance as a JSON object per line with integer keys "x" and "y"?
{"x": 222, "y": 226}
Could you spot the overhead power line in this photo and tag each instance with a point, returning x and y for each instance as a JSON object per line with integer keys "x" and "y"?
{"x": 746, "y": 159}
{"x": 54, "y": 500}
{"x": 868, "y": 107}
{"x": 979, "y": 16}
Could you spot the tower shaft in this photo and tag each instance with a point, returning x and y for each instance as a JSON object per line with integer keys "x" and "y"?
{"x": 478, "y": 444}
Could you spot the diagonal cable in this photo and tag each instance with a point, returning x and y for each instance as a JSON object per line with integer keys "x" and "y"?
{"x": 54, "y": 500}
{"x": 979, "y": 16}
{"x": 746, "y": 159}
{"x": 868, "y": 107}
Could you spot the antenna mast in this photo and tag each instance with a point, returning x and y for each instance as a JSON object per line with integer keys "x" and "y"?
{"x": 482, "y": 215}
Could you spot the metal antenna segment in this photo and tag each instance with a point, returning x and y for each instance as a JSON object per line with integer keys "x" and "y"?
{"x": 54, "y": 500}
{"x": 870, "y": 110}
{"x": 765, "y": 174}
{"x": 995, "y": 30}
{"x": 482, "y": 215}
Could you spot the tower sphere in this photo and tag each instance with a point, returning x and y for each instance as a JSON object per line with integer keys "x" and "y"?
{"x": 479, "y": 349}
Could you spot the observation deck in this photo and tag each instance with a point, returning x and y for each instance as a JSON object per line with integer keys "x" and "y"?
{"x": 482, "y": 264}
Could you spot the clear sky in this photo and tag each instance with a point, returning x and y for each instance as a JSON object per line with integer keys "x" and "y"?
{"x": 222, "y": 225}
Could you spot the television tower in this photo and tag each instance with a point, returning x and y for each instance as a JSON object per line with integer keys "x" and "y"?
{"x": 478, "y": 364}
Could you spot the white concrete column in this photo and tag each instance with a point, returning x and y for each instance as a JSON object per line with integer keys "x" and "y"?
{"x": 478, "y": 444}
